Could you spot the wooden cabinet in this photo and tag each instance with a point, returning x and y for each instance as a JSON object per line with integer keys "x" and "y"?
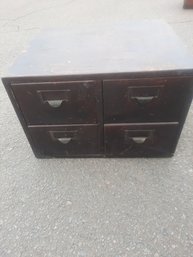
{"x": 111, "y": 91}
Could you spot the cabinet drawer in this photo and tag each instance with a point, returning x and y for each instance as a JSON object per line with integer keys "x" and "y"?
{"x": 66, "y": 141}
{"x": 146, "y": 100}
{"x": 60, "y": 102}
{"x": 141, "y": 140}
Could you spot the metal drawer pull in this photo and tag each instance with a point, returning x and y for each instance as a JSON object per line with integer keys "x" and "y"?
{"x": 54, "y": 98}
{"x": 64, "y": 140}
{"x": 63, "y": 137}
{"x": 139, "y": 140}
{"x": 144, "y": 99}
{"x": 55, "y": 103}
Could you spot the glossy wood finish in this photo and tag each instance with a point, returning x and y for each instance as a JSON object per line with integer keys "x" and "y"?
{"x": 59, "y": 102}
{"x": 145, "y": 100}
{"x": 145, "y": 140}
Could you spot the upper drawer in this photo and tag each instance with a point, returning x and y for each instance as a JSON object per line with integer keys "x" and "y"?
{"x": 59, "y": 102}
{"x": 146, "y": 100}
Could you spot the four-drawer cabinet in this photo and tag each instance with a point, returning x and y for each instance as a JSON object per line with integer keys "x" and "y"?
{"x": 110, "y": 117}
{"x": 119, "y": 90}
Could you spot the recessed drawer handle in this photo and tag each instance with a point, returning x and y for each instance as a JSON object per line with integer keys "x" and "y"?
{"x": 55, "y": 103}
{"x": 139, "y": 140}
{"x": 144, "y": 99}
{"x": 64, "y": 140}
{"x": 54, "y": 98}
{"x": 63, "y": 137}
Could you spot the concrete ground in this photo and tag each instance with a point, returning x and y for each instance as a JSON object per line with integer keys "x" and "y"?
{"x": 90, "y": 207}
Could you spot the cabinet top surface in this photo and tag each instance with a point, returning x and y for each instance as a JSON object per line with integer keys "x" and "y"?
{"x": 135, "y": 46}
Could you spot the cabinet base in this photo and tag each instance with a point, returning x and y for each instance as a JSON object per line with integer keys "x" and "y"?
{"x": 102, "y": 156}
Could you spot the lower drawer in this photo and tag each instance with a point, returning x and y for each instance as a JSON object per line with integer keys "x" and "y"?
{"x": 66, "y": 141}
{"x": 141, "y": 140}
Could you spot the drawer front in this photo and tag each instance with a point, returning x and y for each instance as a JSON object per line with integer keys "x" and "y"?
{"x": 60, "y": 102}
{"x": 146, "y": 100}
{"x": 141, "y": 140}
{"x": 66, "y": 141}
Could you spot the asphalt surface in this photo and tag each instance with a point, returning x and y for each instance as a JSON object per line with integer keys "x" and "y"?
{"x": 90, "y": 207}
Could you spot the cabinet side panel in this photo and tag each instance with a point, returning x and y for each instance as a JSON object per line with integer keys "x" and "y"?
{"x": 7, "y": 84}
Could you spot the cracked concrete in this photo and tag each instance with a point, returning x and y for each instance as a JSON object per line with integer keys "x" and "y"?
{"x": 90, "y": 207}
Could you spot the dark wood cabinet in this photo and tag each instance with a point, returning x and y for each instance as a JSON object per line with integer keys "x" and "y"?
{"x": 119, "y": 90}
